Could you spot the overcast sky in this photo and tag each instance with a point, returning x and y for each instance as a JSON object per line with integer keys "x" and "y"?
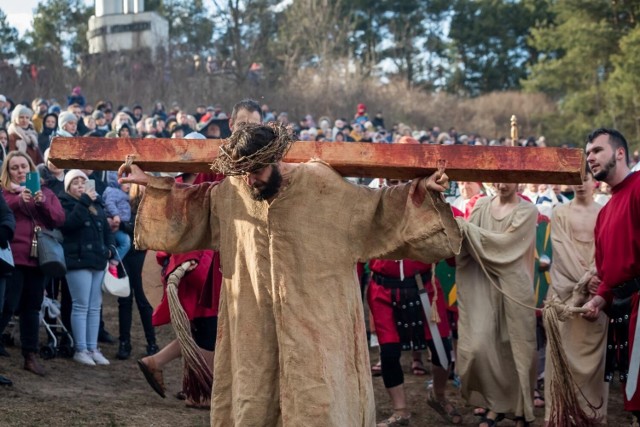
{"x": 20, "y": 12}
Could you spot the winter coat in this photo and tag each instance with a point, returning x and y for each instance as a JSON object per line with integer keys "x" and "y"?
{"x": 25, "y": 140}
{"x": 87, "y": 236}
{"x": 50, "y": 180}
{"x": 7, "y": 223}
{"x": 44, "y": 137}
{"x": 48, "y": 214}
{"x": 116, "y": 202}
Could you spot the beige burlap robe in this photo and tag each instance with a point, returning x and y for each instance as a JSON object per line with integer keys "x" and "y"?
{"x": 497, "y": 337}
{"x": 584, "y": 342}
{"x": 291, "y": 347}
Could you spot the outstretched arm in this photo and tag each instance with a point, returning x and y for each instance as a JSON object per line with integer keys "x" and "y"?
{"x": 176, "y": 217}
{"x": 132, "y": 175}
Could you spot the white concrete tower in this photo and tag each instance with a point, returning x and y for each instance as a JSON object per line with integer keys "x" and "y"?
{"x": 124, "y": 25}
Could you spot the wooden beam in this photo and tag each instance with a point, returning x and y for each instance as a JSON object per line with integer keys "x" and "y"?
{"x": 397, "y": 161}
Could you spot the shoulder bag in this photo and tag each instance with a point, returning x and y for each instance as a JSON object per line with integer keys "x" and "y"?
{"x": 117, "y": 286}
{"x": 47, "y": 247}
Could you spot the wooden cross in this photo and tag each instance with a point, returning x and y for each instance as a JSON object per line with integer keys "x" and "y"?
{"x": 395, "y": 161}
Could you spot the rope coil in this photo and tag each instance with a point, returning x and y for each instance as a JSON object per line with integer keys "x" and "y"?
{"x": 198, "y": 377}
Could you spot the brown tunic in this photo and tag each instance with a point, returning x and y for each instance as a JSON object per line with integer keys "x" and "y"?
{"x": 291, "y": 347}
{"x": 497, "y": 342}
{"x": 584, "y": 342}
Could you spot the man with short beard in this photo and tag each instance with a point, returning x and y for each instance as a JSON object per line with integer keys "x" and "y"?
{"x": 497, "y": 337}
{"x": 617, "y": 235}
{"x": 292, "y": 344}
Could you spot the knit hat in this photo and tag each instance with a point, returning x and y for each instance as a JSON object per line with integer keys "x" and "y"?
{"x": 20, "y": 110}
{"x": 97, "y": 115}
{"x": 65, "y": 118}
{"x": 71, "y": 175}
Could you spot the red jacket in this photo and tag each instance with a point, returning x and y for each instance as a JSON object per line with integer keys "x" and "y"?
{"x": 199, "y": 289}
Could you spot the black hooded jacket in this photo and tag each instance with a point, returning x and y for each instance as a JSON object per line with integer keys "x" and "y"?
{"x": 87, "y": 236}
{"x": 44, "y": 138}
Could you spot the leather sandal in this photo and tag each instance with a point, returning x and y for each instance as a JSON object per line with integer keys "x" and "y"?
{"x": 153, "y": 376}
{"x": 491, "y": 422}
{"x": 395, "y": 420}
{"x": 480, "y": 412}
{"x": 451, "y": 416}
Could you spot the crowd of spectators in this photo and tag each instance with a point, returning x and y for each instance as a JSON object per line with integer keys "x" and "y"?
{"x": 26, "y": 131}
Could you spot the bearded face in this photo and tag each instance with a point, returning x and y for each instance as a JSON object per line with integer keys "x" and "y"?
{"x": 265, "y": 183}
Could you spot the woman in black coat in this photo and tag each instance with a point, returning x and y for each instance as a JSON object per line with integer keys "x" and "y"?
{"x": 88, "y": 245}
{"x": 49, "y": 126}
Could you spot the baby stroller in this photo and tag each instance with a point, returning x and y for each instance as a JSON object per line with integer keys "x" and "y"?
{"x": 60, "y": 341}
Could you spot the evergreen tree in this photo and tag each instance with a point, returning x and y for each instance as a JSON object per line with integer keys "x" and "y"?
{"x": 9, "y": 39}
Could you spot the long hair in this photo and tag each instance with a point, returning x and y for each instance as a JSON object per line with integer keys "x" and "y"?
{"x": 5, "y": 178}
{"x": 136, "y": 192}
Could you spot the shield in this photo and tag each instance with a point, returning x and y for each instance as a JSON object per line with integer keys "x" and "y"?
{"x": 446, "y": 275}
{"x": 542, "y": 279}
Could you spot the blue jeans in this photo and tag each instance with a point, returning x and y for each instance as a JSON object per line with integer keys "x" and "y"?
{"x": 85, "y": 287}
{"x": 123, "y": 244}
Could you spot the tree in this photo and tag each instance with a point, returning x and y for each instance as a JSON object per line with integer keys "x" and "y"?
{"x": 623, "y": 86}
{"x": 489, "y": 48}
{"x": 577, "y": 52}
{"x": 404, "y": 37}
{"x": 9, "y": 39}
{"x": 190, "y": 25}
{"x": 314, "y": 33}
{"x": 246, "y": 32}
{"x": 59, "y": 29}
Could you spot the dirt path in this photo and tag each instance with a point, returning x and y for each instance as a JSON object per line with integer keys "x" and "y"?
{"x": 117, "y": 395}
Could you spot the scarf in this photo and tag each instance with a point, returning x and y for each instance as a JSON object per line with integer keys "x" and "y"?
{"x": 27, "y": 137}
{"x": 16, "y": 188}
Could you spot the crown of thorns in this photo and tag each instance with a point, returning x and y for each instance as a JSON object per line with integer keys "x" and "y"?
{"x": 230, "y": 163}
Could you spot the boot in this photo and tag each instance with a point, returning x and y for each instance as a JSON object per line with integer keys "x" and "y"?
{"x": 124, "y": 350}
{"x": 152, "y": 349}
{"x": 31, "y": 364}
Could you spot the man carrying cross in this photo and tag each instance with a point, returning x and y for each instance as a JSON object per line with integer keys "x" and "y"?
{"x": 291, "y": 338}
